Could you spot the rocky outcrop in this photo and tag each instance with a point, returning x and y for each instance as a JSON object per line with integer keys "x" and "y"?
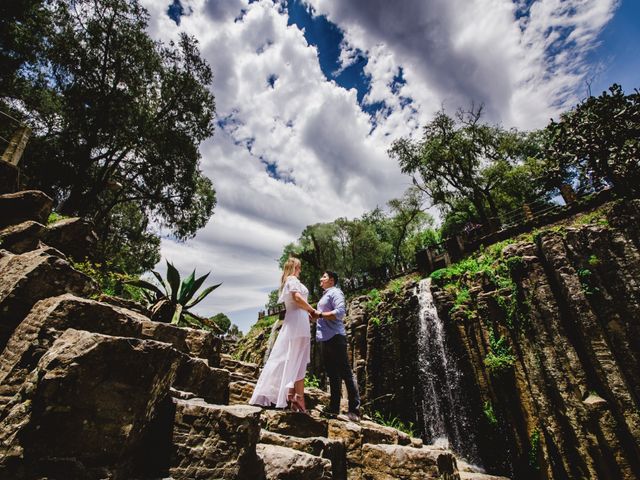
{"x": 544, "y": 330}
{"x": 9, "y": 177}
{"x": 19, "y": 207}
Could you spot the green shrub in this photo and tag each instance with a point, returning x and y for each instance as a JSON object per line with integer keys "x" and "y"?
{"x": 489, "y": 413}
{"x": 110, "y": 281}
{"x": 374, "y": 300}
{"x": 396, "y": 285}
{"x": 394, "y": 422}
{"x": 534, "y": 449}
{"x": 594, "y": 261}
{"x": 500, "y": 358}
{"x": 55, "y": 216}
{"x": 311, "y": 381}
{"x": 375, "y": 321}
{"x": 463, "y": 296}
{"x": 586, "y": 281}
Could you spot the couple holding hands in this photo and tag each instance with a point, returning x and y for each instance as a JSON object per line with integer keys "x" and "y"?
{"x": 281, "y": 382}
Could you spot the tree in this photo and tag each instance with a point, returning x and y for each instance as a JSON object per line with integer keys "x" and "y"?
{"x": 234, "y": 331}
{"x": 599, "y": 140}
{"x": 222, "y": 321}
{"x": 407, "y": 218}
{"x": 117, "y": 117}
{"x": 450, "y": 163}
{"x": 273, "y": 299}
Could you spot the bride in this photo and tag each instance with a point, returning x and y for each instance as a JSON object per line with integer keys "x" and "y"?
{"x": 282, "y": 379}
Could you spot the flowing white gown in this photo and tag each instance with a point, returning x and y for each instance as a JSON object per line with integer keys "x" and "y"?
{"x": 291, "y": 351}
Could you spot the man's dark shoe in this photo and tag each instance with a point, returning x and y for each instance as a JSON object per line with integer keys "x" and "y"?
{"x": 328, "y": 413}
{"x": 353, "y": 417}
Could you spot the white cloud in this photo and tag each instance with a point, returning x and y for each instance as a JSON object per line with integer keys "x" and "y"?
{"x": 277, "y": 108}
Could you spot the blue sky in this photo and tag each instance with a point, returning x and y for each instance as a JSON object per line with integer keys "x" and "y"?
{"x": 311, "y": 93}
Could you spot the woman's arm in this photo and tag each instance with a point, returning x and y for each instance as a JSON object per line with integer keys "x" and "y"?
{"x": 302, "y": 303}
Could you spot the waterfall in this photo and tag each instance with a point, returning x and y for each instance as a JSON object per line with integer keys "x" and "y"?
{"x": 444, "y": 411}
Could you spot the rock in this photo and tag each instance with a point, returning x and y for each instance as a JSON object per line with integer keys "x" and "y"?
{"x": 248, "y": 370}
{"x": 124, "y": 303}
{"x": 479, "y": 476}
{"x": 9, "y": 177}
{"x": 194, "y": 375}
{"x": 23, "y": 237}
{"x": 194, "y": 342}
{"x": 240, "y": 392}
{"x": 215, "y": 441}
{"x": 31, "y": 276}
{"x": 390, "y": 462}
{"x": 25, "y": 205}
{"x": 332, "y": 450}
{"x": 82, "y": 411}
{"x": 316, "y": 398}
{"x": 293, "y": 423}
{"x": 72, "y": 236}
{"x": 50, "y": 317}
{"x": 282, "y": 463}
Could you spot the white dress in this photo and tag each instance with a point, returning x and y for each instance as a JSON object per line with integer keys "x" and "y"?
{"x": 291, "y": 351}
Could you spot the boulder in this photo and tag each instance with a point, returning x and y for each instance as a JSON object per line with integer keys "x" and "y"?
{"x": 293, "y": 423}
{"x": 124, "y": 303}
{"x": 25, "y": 205}
{"x": 72, "y": 236}
{"x": 82, "y": 411}
{"x": 22, "y": 237}
{"x": 215, "y": 441}
{"x": 390, "y": 462}
{"x": 332, "y": 450}
{"x": 32, "y": 276}
{"x": 9, "y": 177}
{"x": 197, "y": 343}
{"x": 196, "y": 376}
{"x": 282, "y": 463}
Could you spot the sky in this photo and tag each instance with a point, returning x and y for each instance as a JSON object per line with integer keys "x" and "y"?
{"x": 310, "y": 94}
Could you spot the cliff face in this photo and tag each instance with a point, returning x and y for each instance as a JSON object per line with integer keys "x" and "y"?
{"x": 545, "y": 336}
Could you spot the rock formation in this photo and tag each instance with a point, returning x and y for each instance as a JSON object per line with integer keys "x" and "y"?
{"x": 544, "y": 331}
{"x": 94, "y": 389}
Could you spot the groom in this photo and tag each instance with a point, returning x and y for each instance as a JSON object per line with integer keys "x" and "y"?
{"x": 331, "y": 337}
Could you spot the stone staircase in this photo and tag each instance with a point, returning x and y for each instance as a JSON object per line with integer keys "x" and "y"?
{"x": 92, "y": 388}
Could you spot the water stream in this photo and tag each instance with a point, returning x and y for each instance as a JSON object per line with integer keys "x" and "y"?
{"x": 445, "y": 418}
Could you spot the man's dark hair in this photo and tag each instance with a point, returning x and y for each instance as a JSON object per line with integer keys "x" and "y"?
{"x": 332, "y": 275}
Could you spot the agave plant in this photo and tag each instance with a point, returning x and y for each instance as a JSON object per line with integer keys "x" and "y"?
{"x": 177, "y": 297}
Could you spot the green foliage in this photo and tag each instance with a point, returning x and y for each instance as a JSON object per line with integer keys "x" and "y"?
{"x": 470, "y": 169}
{"x": 111, "y": 281}
{"x": 463, "y": 296}
{"x": 273, "y": 299}
{"x": 55, "y": 217}
{"x": 222, "y": 321}
{"x": 117, "y": 117}
{"x": 179, "y": 293}
{"x": 375, "y": 321}
{"x": 587, "y": 282}
{"x": 534, "y": 449}
{"x": 489, "y": 413}
{"x": 500, "y": 358}
{"x": 396, "y": 286}
{"x": 234, "y": 331}
{"x": 394, "y": 422}
{"x": 597, "y": 217}
{"x": 311, "y": 381}
{"x": 598, "y": 141}
{"x": 593, "y": 260}
{"x": 374, "y": 300}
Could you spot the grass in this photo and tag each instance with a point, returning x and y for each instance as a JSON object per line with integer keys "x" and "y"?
{"x": 394, "y": 422}
{"x": 374, "y": 300}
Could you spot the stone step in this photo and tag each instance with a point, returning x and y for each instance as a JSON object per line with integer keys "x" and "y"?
{"x": 240, "y": 392}
{"x": 282, "y": 463}
{"x": 333, "y": 450}
{"x": 26, "y": 205}
{"x": 292, "y": 423}
{"x": 386, "y": 462}
{"x": 249, "y": 371}
{"x": 194, "y": 375}
{"x": 479, "y": 476}
{"x": 215, "y": 441}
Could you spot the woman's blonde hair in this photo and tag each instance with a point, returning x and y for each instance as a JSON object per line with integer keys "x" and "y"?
{"x": 288, "y": 269}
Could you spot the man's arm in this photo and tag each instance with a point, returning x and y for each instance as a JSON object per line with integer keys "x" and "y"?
{"x": 338, "y": 307}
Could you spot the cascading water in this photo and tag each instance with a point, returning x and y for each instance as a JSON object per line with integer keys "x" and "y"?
{"x": 445, "y": 420}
